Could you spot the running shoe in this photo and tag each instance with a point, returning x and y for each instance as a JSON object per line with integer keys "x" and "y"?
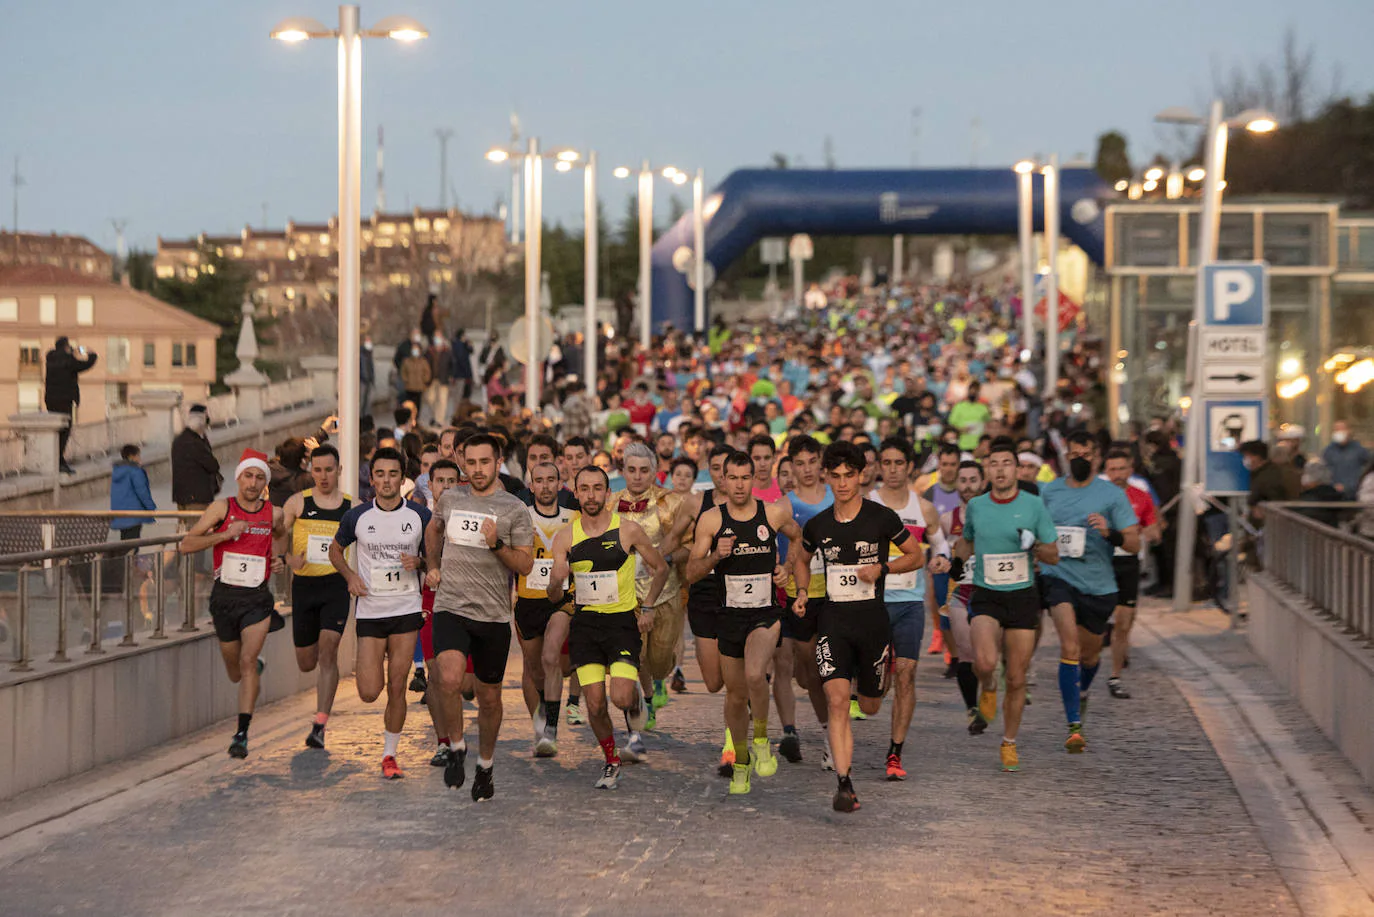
{"x": 1117, "y": 688}
{"x": 1075, "y": 743}
{"x": 894, "y": 768}
{"x": 482, "y": 785}
{"x": 951, "y": 669}
{"x": 976, "y": 724}
{"x": 651, "y": 722}
{"x": 660, "y": 698}
{"x": 454, "y": 772}
{"x": 727, "y": 761}
{"x": 610, "y": 776}
{"x": 424, "y": 699}
{"x": 262, "y": 666}
{"x": 678, "y": 682}
{"x": 546, "y": 747}
{"x": 827, "y": 762}
{"x": 441, "y": 756}
{"x": 739, "y": 779}
{"x": 575, "y": 717}
{"x": 390, "y": 769}
{"x": 764, "y": 761}
{"x": 855, "y": 713}
{"x": 937, "y": 644}
{"x": 238, "y": 746}
{"x": 316, "y": 737}
{"x": 640, "y": 715}
{"x": 790, "y": 747}
{"x": 418, "y": 683}
{"x": 633, "y": 751}
{"x": 845, "y": 800}
{"x": 987, "y": 705}
{"x": 538, "y": 720}
{"x": 1011, "y": 761}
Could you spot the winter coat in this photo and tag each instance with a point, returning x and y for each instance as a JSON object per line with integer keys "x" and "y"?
{"x": 415, "y": 373}
{"x": 195, "y": 470}
{"x": 129, "y": 490}
{"x": 1347, "y": 461}
{"x": 461, "y": 358}
{"x": 62, "y": 389}
{"x": 284, "y": 482}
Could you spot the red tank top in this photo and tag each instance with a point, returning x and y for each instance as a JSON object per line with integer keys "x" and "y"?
{"x": 256, "y": 542}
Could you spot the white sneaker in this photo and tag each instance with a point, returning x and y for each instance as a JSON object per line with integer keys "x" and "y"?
{"x": 610, "y": 777}
{"x": 538, "y": 721}
{"x": 633, "y": 751}
{"x": 827, "y": 763}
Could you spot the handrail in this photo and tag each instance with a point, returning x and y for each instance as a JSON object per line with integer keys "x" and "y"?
{"x": 99, "y": 513}
{"x": 83, "y": 550}
{"x": 1331, "y": 569}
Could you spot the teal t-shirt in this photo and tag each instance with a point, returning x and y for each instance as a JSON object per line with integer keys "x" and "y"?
{"x": 994, "y": 529}
{"x": 1069, "y": 507}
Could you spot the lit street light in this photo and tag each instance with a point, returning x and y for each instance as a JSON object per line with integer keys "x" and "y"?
{"x": 350, "y": 35}
{"x": 1025, "y": 197}
{"x": 646, "y": 241}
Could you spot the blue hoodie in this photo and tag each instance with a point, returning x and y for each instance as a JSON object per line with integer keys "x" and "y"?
{"x": 129, "y": 490}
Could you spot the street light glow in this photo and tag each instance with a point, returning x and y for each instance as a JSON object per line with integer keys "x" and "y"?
{"x": 1122, "y": 185}
{"x": 1154, "y": 173}
{"x": 1262, "y": 125}
{"x": 497, "y": 155}
{"x": 292, "y": 35}
{"x": 1150, "y": 185}
{"x": 563, "y": 165}
{"x": 670, "y": 172}
{"x": 299, "y": 28}
{"x": 621, "y": 172}
{"x": 569, "y": 156}
{"x": 1024, "y": 167}
{"x": 1197, "y": 173}
{"x": 400, "y": 28}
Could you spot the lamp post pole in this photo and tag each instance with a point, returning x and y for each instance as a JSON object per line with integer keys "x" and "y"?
{"x": 350, "y": 258}
{"x": 1051, "y": 174}
{"x": 646, "y": 242}
{"x": 590, "y": 337}
{"x": 533, "y": 231}
{"x": 1025, "y": 183}
{"x": 699, "y": 243}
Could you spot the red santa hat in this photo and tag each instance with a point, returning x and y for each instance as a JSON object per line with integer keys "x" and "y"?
{"x": 252, "y": 458}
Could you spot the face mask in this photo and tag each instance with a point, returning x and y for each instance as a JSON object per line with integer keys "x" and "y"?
{"x": 1340, "y": 437}
{"x": 1080, "y": 468}
{"x": 367, "y": 345}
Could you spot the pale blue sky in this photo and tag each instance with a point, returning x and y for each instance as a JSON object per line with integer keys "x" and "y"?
{"x": 183, "y": 116}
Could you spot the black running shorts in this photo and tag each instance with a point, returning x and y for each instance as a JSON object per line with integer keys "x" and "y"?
{"x": 318, "y": 603}
{"x": 1017, "y": 609}
{"x": 236, "y": 608}
{"x": 856, "y": 647}
{"x": 381, "y": 628}
{"x": 734, "y": 625}
{"x": 1127, "y": 570}
{"x": 1092, "y": 612}
{"x": 486, "y": 644}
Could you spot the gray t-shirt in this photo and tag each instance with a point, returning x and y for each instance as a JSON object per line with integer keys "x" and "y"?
{"x": 474, "y": 583}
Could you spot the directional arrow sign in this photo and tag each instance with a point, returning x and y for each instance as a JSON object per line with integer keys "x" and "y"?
{"x": 1231, "y": 379}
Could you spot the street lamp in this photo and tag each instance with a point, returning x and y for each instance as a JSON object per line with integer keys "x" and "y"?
{"x": 646, "y": 241}
{"x": 1213, "y": 180}
{"x": 1025, "y": 178}
{"x": 350, "y": 35}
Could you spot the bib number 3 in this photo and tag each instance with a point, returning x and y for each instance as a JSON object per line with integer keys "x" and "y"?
{"x": 243, "y": 570}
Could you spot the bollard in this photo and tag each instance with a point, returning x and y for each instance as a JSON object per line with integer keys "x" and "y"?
{"x": 129, "y": 600}
{"x": 21, "y": 633}
{"x": 159, "y": 598}
{"x": 95, "y": 648}
{"x": 61, "y": 654}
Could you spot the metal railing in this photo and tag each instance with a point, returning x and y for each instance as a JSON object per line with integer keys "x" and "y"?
{"x": 1330, "y": 568}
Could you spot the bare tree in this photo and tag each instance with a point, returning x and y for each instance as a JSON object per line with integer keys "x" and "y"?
{"x": 1285, "y": 85}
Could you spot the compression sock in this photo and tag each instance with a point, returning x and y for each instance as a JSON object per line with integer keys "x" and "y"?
{"x": 895, "y": 748}
{"x": 321, "y": 719}
{"x": 760, "y": 729}
{"x": 551, "y": 718}
{"x": 1068, "y": 689}
{"x": 244, "y": 720}
{"x": 729, "y": 741}
{"x": 968, "y": 683}
{"x": 608, "y": 749}
{"x": 1085, "y": 678}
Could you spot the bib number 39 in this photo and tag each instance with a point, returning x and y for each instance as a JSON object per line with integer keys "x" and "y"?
{"x": 842, "y": 584}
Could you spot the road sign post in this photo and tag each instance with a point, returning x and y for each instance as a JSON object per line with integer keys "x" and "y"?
{"x": 1231, "y": 375}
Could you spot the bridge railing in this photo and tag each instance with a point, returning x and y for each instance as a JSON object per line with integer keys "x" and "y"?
{"x": 1330, "y": 568}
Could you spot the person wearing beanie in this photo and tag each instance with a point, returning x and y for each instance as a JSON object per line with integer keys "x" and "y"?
{"x": 243, "y": 532}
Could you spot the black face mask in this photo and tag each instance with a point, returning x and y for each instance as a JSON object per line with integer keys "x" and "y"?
{"x": 1080, "y": 468}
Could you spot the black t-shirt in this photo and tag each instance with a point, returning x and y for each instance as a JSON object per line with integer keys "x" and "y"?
{"x": 565, "y": 498}
{"x": 755, "y": 556}
{"x": 864, "y": 539}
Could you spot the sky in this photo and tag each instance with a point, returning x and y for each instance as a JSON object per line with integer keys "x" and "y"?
{"x": 182, "y": 117}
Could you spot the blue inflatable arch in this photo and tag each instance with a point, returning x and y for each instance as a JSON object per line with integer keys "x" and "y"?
{"x": 754, "y": 203}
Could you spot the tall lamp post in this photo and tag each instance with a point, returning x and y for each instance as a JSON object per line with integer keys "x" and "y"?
{"x": 1025, "y": 212}
{"x": 1214, "y": 167}
{"x": 350, "y": 35}
{"x": 646, "y": 239}
{"x": 1050, "y": 173}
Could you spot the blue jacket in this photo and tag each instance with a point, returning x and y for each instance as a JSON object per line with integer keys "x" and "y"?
{"x": 1347, "y": 462}
{"x": 129, "y": 491}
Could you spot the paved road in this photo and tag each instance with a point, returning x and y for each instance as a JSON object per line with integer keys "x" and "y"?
{"x": 1148, "y": 822}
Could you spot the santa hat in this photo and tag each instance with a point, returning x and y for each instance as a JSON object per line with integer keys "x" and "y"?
{"x": 252, "y": 458}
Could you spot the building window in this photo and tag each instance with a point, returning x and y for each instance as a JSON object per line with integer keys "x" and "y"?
{"x": 117, "y": 355}
{"x": 441, "y": 225}
{"x": 9, "y": 310}
{"x": 116, "y": 396}
{"x": 47, "y": 310}
{"x": 238, "y": 251}
{"x": 30, "y": 354}
{"x": 28, "y": 396}
{"x": 85, "y": 310}
{"x": 165, "y": 271}
{"x": 324, "y": 238}
{"x": 183, "y": 354}
{"x": 149, "y": 354}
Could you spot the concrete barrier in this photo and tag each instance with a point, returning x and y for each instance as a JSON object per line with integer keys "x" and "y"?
{"x": 1331, "y": 673}
{"x": 63, "y": 719}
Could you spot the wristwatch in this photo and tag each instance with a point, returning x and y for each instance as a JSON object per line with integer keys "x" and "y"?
{"x": 499, "y": 545}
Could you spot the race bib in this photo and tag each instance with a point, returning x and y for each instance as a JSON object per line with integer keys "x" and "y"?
{"x": 748, "y": 590}
{"x": 243, "y": 570}
{"x": 466, "y": 528}
{"x": 842, "y": 584}
{"x": 539, "y": 575}
{"x": 1006, "y": 569}
{"x": 817, "y": 564}
{"x": 702, "y": 487}
{"x": 392, "y": 579}
{"x": 900, "y": 580}
{"x": 1071, "y": 540}
{"x": 596, "y": 588}
{"x": 317, "y": 549}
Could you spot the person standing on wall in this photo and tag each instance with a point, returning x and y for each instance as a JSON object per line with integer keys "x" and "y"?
{"x": 62, "y": 390}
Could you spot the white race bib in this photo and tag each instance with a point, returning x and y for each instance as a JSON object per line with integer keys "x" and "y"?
{"x": 392, "y": 579}
{"x": 900, "y": 580}
{"x": 748, "y": 590}
{"x": 466, "y": 528}
{"x": 817, "y": 564}
{"x": 601, "y": 587}
{"x": 1006, "y": 569}
{"x": 317, "y": 548}
{"x": 540, "y": 574}
{"x": 702, "y": 486}
{"x": 243, "y": 569}
{"x": 842, "y": 584}
{"x": 1071, "y": 540}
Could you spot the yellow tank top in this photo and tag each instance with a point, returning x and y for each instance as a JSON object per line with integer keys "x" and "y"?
{"x": 545, "y": 528}
{"x": 603, "y": 573}
{"x": 313, "y": 532}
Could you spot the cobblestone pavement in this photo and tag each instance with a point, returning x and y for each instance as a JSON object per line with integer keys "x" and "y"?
{"x": 1147, "y": 822}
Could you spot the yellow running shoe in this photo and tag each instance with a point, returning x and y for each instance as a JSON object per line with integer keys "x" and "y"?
{"x": 764, "y": 761}
{"x": 855, "y": 713}
{"x": 1011, "y": 761}
{"x": 1075, "y": 743}
{"x": 987, "y": 705}
{"x": 739, "y": 780}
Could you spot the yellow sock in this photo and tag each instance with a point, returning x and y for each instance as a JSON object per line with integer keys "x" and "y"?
{"x": 760, "y": 729}
{"x": 729, "y": 742}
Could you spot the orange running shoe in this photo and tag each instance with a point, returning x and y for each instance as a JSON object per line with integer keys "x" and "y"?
{"x": 894, "y": 768}
{"x": 390, "y": 769}
{"x": 937, "y": 644}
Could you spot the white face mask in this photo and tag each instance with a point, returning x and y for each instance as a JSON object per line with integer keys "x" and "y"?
{"x": 1340, "y": 437}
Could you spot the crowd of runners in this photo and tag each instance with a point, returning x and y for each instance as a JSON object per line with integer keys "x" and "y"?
{"x": 805, "y": 502}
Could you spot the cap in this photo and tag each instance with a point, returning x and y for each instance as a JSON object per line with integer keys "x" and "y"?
{"x": 252, "y": 458}
{"x": 199, "y": 409}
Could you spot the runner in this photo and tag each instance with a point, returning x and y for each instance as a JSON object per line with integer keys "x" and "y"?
{"x": 542, "y": 625}
{"x": 443, "y": 475}
{"x": 608, "y": 624}
{"x": 1002, "y": 530}
{"x": 389, "y": 532}
{"x": 971, "y": 484}
{"x": 906, "y": 595}
{"x": 943, "y": 493}
{"x": 319, "y": 595}
{"x": 240, "y": 531}
{"x": 477, "y": 539}
{"x": 853, "y": 650}
{"x": 1091, "y": 517}
{"x": 762, "y": 451}
{"x": 1126, "y": 566}
{"x": 577, "y": 454}
{"x": 654, "y": 510}
{"x": 736, "y": 543}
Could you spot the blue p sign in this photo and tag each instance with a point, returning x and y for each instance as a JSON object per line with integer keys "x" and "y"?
{"x": 1235, "y": 294}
